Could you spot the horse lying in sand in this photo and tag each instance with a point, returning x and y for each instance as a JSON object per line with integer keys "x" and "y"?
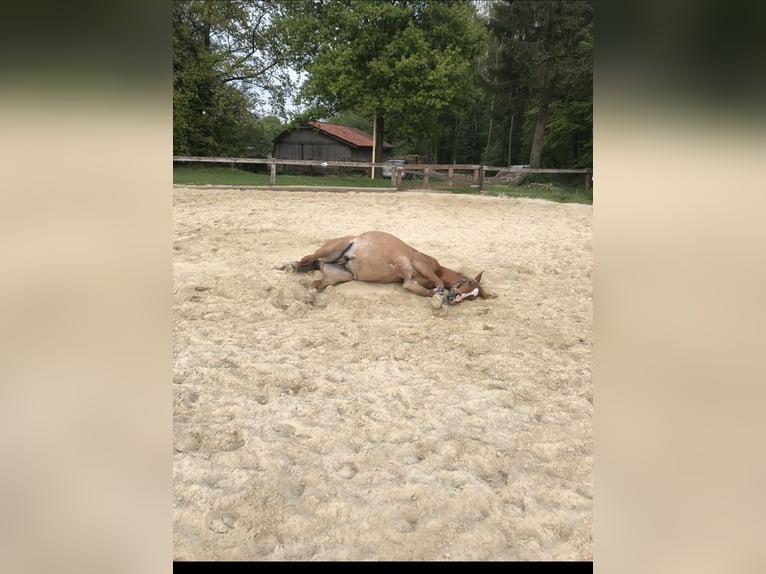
{"x": 379, "y": 257}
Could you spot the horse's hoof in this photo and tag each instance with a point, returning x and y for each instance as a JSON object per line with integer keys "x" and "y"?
{"x": 437, "y": 301}
{"x": 289, "y": 267}
{"x": 309, "y": 299}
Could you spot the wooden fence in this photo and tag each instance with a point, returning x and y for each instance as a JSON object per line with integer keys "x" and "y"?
{"x": 433, "y": 175}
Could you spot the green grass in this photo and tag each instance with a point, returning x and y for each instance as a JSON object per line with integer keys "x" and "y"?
{"x": 225, "y": 175}
{"x": 220, "y": 175}
{"x": 560, "y": 194}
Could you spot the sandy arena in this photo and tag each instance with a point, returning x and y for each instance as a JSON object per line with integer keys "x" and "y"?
{"x": 371, "y": 426}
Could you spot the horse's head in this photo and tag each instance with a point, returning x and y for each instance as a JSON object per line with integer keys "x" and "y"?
{"x": 466, "y": 288}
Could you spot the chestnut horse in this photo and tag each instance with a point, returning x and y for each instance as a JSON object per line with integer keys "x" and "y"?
{"x": 379, "y": 257}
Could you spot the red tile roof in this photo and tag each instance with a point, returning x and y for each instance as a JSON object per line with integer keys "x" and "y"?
{"x": 354, "y": 136}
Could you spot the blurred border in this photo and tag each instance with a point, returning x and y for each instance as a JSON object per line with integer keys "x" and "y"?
{"x": 86, "y": 296}
{"x": 679, "y": 278}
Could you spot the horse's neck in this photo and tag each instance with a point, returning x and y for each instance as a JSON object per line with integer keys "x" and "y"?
{"x": 449, "y": 276}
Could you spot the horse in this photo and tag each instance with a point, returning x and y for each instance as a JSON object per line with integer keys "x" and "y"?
{"x": 379, "y": 257}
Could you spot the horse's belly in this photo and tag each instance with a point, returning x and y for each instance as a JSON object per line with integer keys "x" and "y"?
{"x": 369, "y": 263}
{"x": 375, "y": 270}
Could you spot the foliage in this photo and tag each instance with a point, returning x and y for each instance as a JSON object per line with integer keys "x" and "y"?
{"x": 352, "y": 120}
{"x": 543, "y": 52}
{"x": 408, "y": 61}
{"x": 263, "y": 134}
{"x": 224, "y": 59}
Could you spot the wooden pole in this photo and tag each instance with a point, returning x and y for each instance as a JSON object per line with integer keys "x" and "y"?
{"x": 374, "y": 138}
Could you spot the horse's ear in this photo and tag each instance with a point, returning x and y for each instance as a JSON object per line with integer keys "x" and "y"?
{"x": 482, "y": 293}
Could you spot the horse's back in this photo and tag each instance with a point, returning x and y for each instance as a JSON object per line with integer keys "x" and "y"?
{"x": 381, "y": 246}
{"x": 382, "y": 239}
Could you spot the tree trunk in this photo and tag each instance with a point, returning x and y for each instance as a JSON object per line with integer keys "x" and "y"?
{"x": 542, "y": 120}
{"x": 455, "y": 140}
{"x": 489, "y": 132}
{"x": 510, "y": 141}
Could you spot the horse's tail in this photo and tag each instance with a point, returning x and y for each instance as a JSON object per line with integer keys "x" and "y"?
{"x": 312, "y": 265}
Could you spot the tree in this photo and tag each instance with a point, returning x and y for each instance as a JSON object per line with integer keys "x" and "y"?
{"x": 407, "y": 62}
{"x": 225, "y": 63}
{"x": 546, "y": 47}
{"x": 263, "y": 134}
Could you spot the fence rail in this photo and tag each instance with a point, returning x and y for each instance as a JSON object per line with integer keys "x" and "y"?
{"x": 399, "y": 171}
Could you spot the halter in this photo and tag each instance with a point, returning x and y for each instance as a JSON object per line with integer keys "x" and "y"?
{"x": 458, "y": 283}
{"x": 453, "y": 289}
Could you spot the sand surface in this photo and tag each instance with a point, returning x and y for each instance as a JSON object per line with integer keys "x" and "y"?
{"x": 371, "y": 426}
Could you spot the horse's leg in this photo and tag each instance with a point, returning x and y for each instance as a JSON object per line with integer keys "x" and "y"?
{"x": 330, "y": 252}
{"x": 425, "y": 268}
{"x": 437, "y": 300}
{"x": 331, "y": 275}
{"x": 417, "y": 288}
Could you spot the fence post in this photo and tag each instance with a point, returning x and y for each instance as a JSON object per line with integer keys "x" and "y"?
{"x": 481, "y": 178}
{"x": 588, "y": 177}
{"x": 392, "y": 177}
{"x": 450, "y": 173}
{"x": 426, "y": 171}
{"x": 273, "y": 171}
{"x": 399, "y": 173}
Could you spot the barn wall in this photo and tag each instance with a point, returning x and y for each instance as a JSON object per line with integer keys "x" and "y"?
{"x": 363, "y": 154}
{"x": 310, "y": 145}
{"x": 284, "y": 150}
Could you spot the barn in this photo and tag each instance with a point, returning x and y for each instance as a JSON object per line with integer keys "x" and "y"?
{"x": 322, "y": 141}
